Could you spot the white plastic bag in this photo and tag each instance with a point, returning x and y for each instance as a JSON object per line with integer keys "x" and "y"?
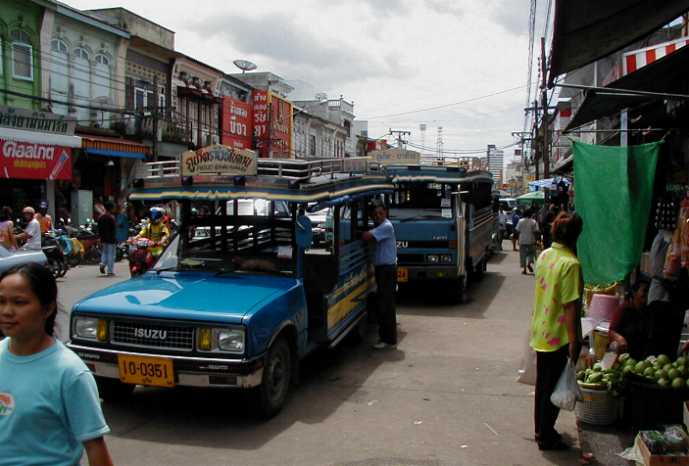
{"x": 527, "y": 369}
{"x": 567, "y": 390}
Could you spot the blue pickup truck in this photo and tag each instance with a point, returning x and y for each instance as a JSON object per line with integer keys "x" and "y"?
{"x": 241, "y": 304}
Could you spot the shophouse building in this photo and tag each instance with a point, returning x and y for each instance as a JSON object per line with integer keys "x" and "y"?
{"x": 316, "y": 137}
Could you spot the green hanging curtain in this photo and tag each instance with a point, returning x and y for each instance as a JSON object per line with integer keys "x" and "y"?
{"x": 614, "y": 187}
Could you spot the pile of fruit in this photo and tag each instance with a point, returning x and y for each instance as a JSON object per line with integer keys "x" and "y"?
{"x": 660, "y": 370}
{"x": 654, "y": 369}
{"x": 597, "y": 378}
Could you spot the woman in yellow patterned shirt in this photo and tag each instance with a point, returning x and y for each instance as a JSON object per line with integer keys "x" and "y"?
{"x": 555, "y": 325}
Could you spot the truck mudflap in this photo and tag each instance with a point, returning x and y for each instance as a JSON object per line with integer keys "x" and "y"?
{"x": 189, "y": 371}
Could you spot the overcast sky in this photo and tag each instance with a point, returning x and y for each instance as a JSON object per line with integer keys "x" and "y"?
{"x": 388, "y": 56}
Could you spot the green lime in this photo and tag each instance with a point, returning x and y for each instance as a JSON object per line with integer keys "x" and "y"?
{"x": 672, "y": 374}
{"x": 682, "y": 360}
{"x": 641, "y": 367}
{"x": 663, "y": 359}
{"x": 663, "y": 382}
{"x": 667, "y": 367}
{"x": 649, "y": 372}
{"x": 678, "y": 382}
{"x": 624, "y": 357}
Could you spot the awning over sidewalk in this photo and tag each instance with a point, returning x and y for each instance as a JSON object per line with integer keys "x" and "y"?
{"x": 666, "y": 75}
{"x": 586, "y": 30}
{"x": 114, "y": 147}
{"x": 37, "y": 137}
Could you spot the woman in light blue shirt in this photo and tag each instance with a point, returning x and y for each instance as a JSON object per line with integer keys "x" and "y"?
{"x": 49, "y": 405}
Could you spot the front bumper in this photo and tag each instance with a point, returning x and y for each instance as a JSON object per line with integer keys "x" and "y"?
{"x": 189, "y": 371}
{"x": 429, "y": 272}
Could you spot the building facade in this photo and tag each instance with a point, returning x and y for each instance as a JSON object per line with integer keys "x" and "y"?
{"x": 495, "y": 158}
{"x": 317, "y": 138}
{"x": 338, "y": 111}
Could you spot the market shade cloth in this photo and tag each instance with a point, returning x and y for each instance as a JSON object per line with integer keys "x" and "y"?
{"x": 614, "y": 191}
{"x": 529, "y": 198}
{"x": 667, "y": 74}
{"x": 586, "y": 30}
{"x": 114, "y": 147}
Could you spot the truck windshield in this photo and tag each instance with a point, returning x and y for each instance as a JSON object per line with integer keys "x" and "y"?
{"x": 422, "y": 200}
{"x": 245, "y": 236}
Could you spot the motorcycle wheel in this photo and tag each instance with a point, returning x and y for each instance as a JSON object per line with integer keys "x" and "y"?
{"x": 64, "y": 267}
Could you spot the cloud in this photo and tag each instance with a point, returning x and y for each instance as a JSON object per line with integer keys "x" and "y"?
{"x": 513, "y": 16}
{"x": 443, "y": 7}
{"x": 294, "y": 49}
{"x": 387, "y": 8}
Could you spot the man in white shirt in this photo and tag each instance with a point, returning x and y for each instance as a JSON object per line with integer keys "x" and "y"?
{"x": 502, "y": 227}
{"x": 528, "y": 233}
{"x": 32, "y": 232}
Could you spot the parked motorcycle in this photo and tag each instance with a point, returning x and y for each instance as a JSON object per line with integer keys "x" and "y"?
{"x": 56, "y": 257}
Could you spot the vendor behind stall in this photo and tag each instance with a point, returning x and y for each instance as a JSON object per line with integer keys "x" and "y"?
{"x": 631, "y": 327}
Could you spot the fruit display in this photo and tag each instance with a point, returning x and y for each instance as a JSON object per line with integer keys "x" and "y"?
{"x": 673, "y": 440}
{"x": 659, "y": 370}
{"x": 597, "y": 378}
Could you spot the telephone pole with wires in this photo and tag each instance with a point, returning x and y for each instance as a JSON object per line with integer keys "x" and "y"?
{"x": 400, "y": 141}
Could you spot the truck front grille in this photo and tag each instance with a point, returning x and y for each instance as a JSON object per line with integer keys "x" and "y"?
{"x": 152, "y": 335}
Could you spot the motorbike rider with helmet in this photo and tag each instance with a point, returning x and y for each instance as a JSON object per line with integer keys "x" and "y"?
{"x": 156, "y": 231}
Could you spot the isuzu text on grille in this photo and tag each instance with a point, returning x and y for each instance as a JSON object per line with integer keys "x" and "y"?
{"x": 152, "y": 334}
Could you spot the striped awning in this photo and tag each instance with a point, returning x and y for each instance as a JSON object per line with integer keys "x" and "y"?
{"x": 114, "y": 147}
{"x": 636, "y": 59}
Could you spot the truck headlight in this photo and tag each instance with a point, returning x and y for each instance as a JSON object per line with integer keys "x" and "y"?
{"x": 446, "y": 259}
{"x": 86, "y": 328}
{"x": 225, "y": 340}
{"x": 231, "y": 340}
{"x": 433, "y": 259}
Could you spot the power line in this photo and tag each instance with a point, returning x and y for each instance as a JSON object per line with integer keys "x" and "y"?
{"x": 438, "y": 107}
{"x": 70, "y": 104}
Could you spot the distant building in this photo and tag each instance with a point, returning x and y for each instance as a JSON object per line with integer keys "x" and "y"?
{"x": 496, "y": 158}
{"x": 316, "y": 137}
{"x": 338, "y": 111}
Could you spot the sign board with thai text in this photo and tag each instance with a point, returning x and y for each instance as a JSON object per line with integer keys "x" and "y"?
{"x": 261, "y": 103}
{"x": 29, "y": 161}
{"x": 219, "y": 160}
{"x": 28, "y": 120}
{"x": 395, "y": 157}
{"x": 237, "y": 123}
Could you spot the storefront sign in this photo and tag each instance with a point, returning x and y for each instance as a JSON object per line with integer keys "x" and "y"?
{"x": 237, "y": 123}
{"x": 29, "y": 161}
{"x": 219, "y": 160}
{"x": 261, "y": 129}
{"x": 395, "y": 157}
{"x": 280, "y": 127}
{"x": 17, "y": 118}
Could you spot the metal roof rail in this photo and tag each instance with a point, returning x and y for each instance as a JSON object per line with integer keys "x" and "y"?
{"x": 288, "y": 169}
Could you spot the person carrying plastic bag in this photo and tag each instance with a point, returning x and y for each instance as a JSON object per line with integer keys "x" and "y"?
{"x": 555, "y": 332}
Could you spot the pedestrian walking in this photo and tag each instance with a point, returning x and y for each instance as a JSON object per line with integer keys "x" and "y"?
{"x": 528, "y": 234}
{"x": 385, "y": 262}
{"x": 502, "y": 227}
{"x": 107, "y": 230}
{"x": 32, "y": 233}
{"x": 49, "y": 405}
{"x": 515, "y": 233}
{"x": 555, "y": 331}
{"x": 121, "y": 224}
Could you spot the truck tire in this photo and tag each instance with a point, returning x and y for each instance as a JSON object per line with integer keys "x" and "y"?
{"x": 112, "y": 390}
{"x": 277, "y": 378}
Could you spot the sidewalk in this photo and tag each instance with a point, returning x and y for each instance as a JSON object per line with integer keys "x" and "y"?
{"x": 604, "y": 443}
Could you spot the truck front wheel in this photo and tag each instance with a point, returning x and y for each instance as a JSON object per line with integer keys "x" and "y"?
{"x": 277, "y": 376}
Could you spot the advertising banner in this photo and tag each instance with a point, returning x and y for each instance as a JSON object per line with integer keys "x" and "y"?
{"x": 219, "y": 160}
{"x": 44, "y": 122}
{"x": 237, "y": 123}
{"x": 261, "y": 121}
{"x": 280, "y": 127}
{"x": 29, "y": 161}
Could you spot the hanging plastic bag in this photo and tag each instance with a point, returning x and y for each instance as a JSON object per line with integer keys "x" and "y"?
{"x": 527, "y": 368}
{"x": 567, "y": 390}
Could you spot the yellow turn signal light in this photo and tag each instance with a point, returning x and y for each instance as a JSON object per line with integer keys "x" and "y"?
{"x": 205, "y": 339}
{"x": 102, "y": 330}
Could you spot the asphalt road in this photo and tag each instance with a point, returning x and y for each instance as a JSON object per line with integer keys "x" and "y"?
{"x": 446, "y": 396}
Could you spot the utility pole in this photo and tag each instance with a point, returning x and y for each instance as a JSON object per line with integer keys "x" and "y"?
{"x": 544, "y": 97}
{"x": 534, "y": 147}
{"x": 400, "y": 142}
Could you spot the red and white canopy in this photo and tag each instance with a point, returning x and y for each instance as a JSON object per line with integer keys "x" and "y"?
{"x": 636, "y": 59}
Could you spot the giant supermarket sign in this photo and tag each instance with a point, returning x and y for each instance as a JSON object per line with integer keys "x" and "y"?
{"x": 30, "y": 161}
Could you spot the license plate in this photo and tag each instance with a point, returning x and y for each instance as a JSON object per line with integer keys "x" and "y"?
{"x": 143, "y": 370}
{"x": 402, "y": 274}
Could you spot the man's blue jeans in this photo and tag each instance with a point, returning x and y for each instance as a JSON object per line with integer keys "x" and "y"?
{"x": 107, "y": 257}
